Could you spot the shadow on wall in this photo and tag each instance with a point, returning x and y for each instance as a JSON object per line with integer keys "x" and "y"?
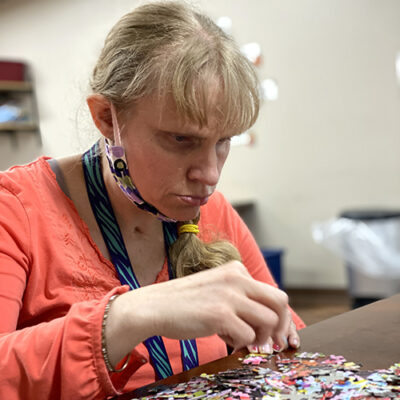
{"x": 12, "y": 5}
{"x": 20, "y": 149}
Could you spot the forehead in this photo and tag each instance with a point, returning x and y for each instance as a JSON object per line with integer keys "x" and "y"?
{"x": 162, "y": 112}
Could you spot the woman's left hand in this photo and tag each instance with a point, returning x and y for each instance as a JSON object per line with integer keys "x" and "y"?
{"x": 291, "y": 339}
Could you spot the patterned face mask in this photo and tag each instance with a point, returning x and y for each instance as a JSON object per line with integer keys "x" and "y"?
{"x": 119, "y": 169}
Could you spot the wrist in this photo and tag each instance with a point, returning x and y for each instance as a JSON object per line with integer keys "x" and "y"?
{"x": 123, "y": 327}
{"x": 104, "y": 347}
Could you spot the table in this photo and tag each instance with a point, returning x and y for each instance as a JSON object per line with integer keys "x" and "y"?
{"x": 369, "y": 335}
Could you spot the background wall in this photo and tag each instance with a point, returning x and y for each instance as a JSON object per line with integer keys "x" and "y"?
{"x": 331, "y": 141}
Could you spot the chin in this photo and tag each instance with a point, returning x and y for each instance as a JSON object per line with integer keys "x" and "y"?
{"x": 185, "y": 215}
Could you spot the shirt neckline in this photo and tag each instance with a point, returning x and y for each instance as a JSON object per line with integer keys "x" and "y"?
{"x": 162, "y": 274}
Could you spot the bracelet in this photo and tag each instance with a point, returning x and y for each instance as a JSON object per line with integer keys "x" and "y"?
{"x": 110, "y": 368}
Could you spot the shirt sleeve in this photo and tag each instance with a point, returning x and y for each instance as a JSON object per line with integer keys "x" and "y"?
{"x": 59, "y": 359}
{"x": 236, "y": 230}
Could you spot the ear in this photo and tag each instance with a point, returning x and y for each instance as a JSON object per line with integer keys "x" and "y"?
{"x": 100, "y": 110}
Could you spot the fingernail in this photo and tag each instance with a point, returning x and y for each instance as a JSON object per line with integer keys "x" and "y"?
{"x": 295, "y": 343}
{"x": 254, "y": 349}
{"x": 284, "y": 338}
{"x": 266, "y": 349}
{"x": 276, "y": 347}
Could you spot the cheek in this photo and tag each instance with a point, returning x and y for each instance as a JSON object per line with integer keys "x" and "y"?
{"x": 155, "y": 173}
{"x": 143, "y": 159}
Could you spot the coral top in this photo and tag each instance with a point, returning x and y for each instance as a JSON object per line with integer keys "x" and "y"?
{"x": 55, "y": 283}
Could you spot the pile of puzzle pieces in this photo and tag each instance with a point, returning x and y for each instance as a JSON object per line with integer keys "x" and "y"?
{"x": 306, "y": 376}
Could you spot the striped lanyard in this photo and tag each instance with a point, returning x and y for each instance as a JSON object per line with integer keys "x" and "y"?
{"x": 105, "y": 217}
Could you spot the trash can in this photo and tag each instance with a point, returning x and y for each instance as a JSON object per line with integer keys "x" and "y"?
{"x": 366, "y": 285}
{"x": 273, "y": 258}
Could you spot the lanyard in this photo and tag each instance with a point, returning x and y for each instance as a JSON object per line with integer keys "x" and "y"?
{"x": 102, "y": 210}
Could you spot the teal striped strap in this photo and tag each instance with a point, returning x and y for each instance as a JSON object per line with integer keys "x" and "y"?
{"x": 105, "y": 217}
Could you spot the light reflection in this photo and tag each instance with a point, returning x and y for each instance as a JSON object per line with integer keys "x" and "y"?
{"x": 269, "y": 89}
{"x": 225, "y": 23}
{"x": 398, "y": 68}
{"x": 253, "y": 52}
{"x": 244, "y": 139}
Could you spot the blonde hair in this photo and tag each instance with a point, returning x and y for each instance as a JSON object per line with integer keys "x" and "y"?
{"x": 189, "y": 254}
{"x": 169, "y": 48}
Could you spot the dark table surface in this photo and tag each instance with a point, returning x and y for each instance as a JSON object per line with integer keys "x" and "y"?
{"x": 369, "y": 335}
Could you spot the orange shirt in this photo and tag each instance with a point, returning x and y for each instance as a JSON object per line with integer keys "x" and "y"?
{"x": 55, "y": 283}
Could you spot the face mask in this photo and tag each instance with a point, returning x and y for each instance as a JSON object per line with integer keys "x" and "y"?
{"x": 119, "y": 169}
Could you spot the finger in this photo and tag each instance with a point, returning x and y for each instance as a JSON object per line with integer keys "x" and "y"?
{"x": 262, "y": 319}
{"x": 236, "y": 333}
{"x": 293, "y": 337}
{"x": 266, "y": 348}
{"x": 237, "y": 275}
{"x": 252, "y": 348}
{"x": 274, "y": 299}
{"x": 266, "y": 295}
{"x": 280, "y": 336}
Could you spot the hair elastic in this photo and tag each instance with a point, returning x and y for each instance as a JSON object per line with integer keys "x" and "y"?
{"x": 188, "y": 228}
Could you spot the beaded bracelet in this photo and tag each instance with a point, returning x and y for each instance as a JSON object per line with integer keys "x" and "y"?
{"x": 110, "y": 368}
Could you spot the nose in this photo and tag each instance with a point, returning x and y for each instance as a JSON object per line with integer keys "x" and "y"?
{"x": 206, "y": 168}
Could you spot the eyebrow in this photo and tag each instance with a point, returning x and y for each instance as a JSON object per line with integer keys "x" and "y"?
{"x": 186, "y": 134}
{"x": 193, "y": 135}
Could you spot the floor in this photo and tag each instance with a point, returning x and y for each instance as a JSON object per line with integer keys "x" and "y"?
{"x": 314, "y": 305}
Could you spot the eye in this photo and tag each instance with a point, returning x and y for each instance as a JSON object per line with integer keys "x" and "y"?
{"x": 180, "y": 139}
{"x": 183, "y": 140}
{"x": 225, "y": 140}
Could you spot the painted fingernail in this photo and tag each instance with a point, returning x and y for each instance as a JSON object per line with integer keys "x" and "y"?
{"x": 276, "y": 347}
{"x": 254, "y": 349}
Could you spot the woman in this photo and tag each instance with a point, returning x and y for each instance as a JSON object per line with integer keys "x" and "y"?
{"x": 168, "y": 92}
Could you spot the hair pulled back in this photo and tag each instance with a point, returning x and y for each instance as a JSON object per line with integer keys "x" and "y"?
{"x": 170, "y": 49}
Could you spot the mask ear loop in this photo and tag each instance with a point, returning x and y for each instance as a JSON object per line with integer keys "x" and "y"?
{"x": 120, "y": 165}
{"x": 116, "y": 148}
{"x": 117, "y": 132}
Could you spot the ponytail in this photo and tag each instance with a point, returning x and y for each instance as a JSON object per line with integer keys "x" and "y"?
{"x": 189, "y": 254}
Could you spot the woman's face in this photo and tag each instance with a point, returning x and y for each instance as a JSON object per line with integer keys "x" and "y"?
{"x": 174, "y": 164}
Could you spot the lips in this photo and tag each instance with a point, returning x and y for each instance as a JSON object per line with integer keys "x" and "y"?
{"x": 194, "y": 200}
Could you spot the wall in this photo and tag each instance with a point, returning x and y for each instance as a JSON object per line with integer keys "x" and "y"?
{"x": 330, "y": 142}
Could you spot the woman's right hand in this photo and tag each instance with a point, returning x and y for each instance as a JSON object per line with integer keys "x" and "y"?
{"x": 225, "y": 301}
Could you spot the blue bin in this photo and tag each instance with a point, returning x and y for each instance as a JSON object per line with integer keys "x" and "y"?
{"x": 273, "y": 259}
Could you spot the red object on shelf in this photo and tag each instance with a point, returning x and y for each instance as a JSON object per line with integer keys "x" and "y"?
{"x": 12, "y": 71}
